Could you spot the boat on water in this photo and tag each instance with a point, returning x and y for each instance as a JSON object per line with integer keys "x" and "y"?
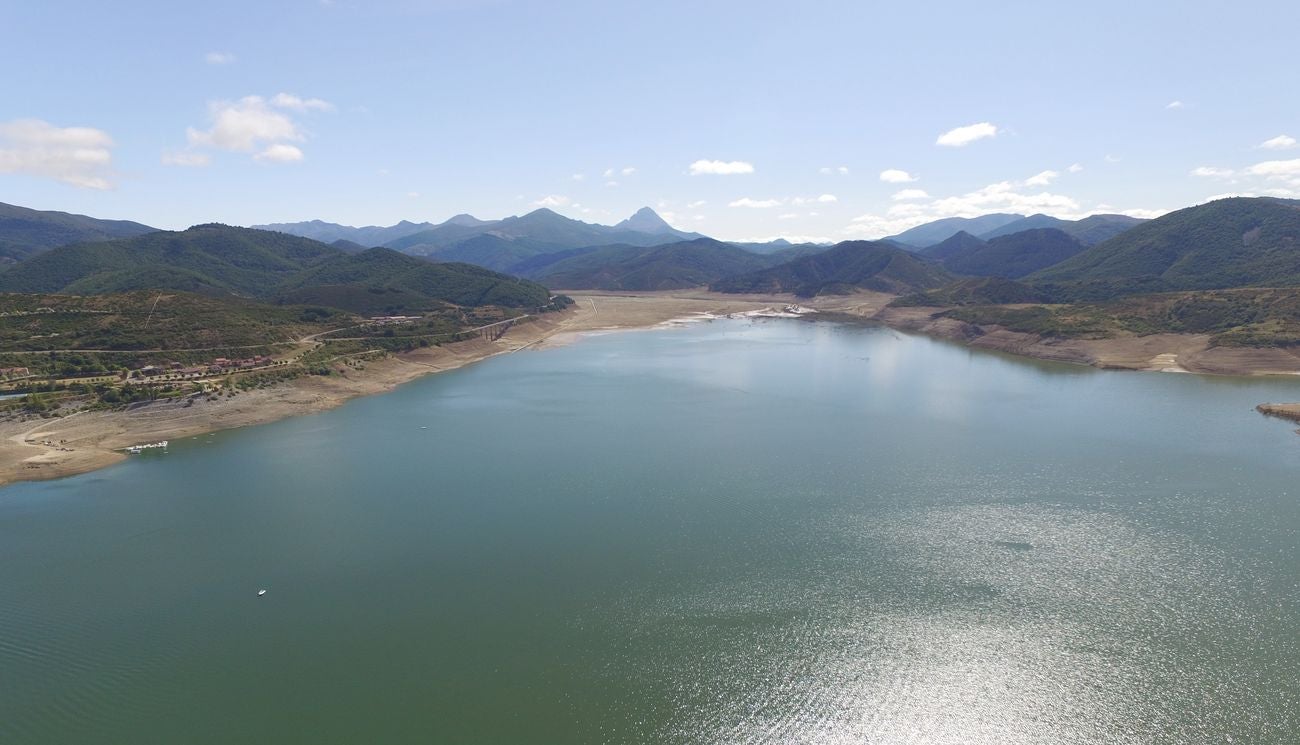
{"x": 260, "y": 593}
{"x": 136, "y": 449}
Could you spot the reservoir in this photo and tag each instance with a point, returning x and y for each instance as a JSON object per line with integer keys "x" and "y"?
{"x": 746, "y": 531}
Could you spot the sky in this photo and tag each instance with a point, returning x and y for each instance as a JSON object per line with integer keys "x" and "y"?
{"x": 742, "y": 120}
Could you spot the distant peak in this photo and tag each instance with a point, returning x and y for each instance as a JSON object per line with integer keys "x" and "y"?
{"x": 466, "y": 219}
{"x": 645, "y": 220}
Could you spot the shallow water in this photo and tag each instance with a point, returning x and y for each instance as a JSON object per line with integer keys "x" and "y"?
{"x": 745, "y": 531}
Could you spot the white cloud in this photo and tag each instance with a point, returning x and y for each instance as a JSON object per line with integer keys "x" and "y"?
{"x": 1276, "y": 169}
{"x": 696, "y": 204}
{"x": 1000, "y": 197}
{"x": 1075, "y": 168}
{"x": 756, "y": 203}
{"x": 788, "y": 216}
{"x": 254, "y": 123}
{"x": 80, "y": 156}
{"x": 1143, "y": 214}
{"x": 413, "y": 194}
{"x": 1113, "y": 158}
{"x": 579, "y": 176}
{"x": 721, "y": 168}
{"x": 787, "y": 237}
{"x": 1212, "y": 172}
{"x": 1281, "y": 142}
{"x": 1042, "y": 178}
{"x": 552, "y": 201}
{"x": 962, "y": 136}
{"x": 279, "y": 153}
{"x": 907, "y": 194}
{"x": 612, "y": 172}
{"x": 1174, "y": 105}
{"x": 611, "y": 184}
{"x": 241, "y": 125}
{"x": 290, "y": 101}
{"x": 187, "y": 158}
{"x": 628, "y": 171}
{"x": 219, "y": 58}
{"x": 828, "y": 171}
{"x": 823, "y": 199}
{"x": 895, "y": 176}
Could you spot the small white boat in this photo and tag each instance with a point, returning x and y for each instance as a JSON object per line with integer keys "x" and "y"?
{"x": 260, "y": 593}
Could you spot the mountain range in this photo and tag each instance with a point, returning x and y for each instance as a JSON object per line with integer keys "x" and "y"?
{"x": 497, "y": 244}
{"x": 1011, "y": 255}
{"x": 1236, "y": 242}
{"x": 25, "y": 232}
{"x": 221, "y": 260}
{"x": 1089, "y": 230}
{"x": 841, "y": 269}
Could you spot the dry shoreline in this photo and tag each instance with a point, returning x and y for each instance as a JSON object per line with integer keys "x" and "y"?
{"x": 53, "y": 448}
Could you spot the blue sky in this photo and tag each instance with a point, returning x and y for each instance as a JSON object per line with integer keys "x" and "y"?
{"x": 743, "y": 120}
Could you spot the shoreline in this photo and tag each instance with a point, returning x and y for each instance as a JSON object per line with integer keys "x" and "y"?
{"x": 43, "y": 449}
{"x": 40, "y": 449}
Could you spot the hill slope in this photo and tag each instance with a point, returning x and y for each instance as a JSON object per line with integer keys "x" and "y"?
{"x": 956, "y": 245}
{"x": 670, "y": 267}
{"x": 25, "y": 232}
{"x": 843, "y": 268}
{"x": 1015, "y": 255}
{"x": 1237, "y": 242}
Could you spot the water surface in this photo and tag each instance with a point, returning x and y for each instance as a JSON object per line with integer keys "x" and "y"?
{"x": 750, "y": 531}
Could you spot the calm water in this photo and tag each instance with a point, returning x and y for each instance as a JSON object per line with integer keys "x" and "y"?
{"x": 769, "y": 531}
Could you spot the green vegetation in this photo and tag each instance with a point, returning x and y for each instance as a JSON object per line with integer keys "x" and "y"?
{"x": 151, "y": 320}
{"x": 1237, "y": 242}
{"x": 974, "y": 291}
{"x": 223, "y": 260}
{"x": 383, "y": 280}
{"x": 26, "y": 232}
{"x": 1244, "y": 317}
{"x": 845, "y": 267}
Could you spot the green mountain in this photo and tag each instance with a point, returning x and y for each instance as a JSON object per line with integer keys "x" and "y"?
{"x": 25, "y": 232}
{"x": 1015, "y": 255}
{"x": 670, "y": 267}
{"x": 841, "y": 269}
{"x": 955, "y": 245}
{"x": 1236, "y": 242}
{"x": 394, "y": 280}
{"x": 1089, "y": 231}
{"x": 495, "y": 252}
{"x": 224, "y": 260}
{"x": 933, "y": 232}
